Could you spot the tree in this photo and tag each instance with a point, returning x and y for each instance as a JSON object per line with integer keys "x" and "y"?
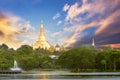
{"x": 4, "y": 46}
{"x": 47, "y": 62}
{"x": 78, "y": 58}
{"x": 108, "y": 59}
{"x": 25, "y": 49}
{"x": 27, "y": 62}
{"x": 6, "y": 57}
{"x": 115, "y": 57}
{"x": 42, "y": 51}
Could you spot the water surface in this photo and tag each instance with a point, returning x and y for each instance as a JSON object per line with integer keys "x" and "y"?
{"x": 61, "y": 75}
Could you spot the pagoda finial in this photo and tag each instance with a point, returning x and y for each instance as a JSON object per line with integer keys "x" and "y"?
{"x": 41, "y": 24}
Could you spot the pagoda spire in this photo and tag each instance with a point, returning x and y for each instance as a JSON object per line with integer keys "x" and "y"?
{"x": 42, "y": 35}
{"x": 41, "y": 29}
{"x": 93, "y": 42}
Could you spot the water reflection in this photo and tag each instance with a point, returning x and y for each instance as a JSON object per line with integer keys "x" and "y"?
{"x": 43, "y": 76}
{"x": 58, "y": 75}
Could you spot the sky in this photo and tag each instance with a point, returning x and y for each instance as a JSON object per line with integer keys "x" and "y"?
{"x": 66, "y": 22}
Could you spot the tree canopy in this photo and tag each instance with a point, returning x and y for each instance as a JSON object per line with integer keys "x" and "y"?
{"x": 81, "y": 58}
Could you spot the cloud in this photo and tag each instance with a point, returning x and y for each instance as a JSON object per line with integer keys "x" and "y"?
{"x": 59, "y": 22}
{"x": 114, "y": 45}
{"x": 57, "y": 15}
{"x": 107, "y": 32}
{"x": 76, "y": 32}
{"x": 100, "y": 40}
{"x": 56, "y": 33}
{"x": 105, "y": 23}
{"x": 13, "y": 29}
{"x": 101, "y": 17}
{"x": 66, "y": 7}
{"x": 72, "y": 12}
{"x": 92, "y": 8}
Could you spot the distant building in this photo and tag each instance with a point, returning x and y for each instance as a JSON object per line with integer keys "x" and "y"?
{"x": 57, "y": 47}
{"x": 52, "y": 49}
{"x": 93, "y": 43}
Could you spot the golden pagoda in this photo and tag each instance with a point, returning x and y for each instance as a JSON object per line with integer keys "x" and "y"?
{"x": 42, "y": 42}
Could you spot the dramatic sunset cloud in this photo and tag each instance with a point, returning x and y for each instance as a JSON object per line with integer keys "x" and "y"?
{"x": 105, "y": 22}
{"x": 115, "y": 45}
{"x": 91, "y": 7}
{"x": 77, "y": 31}
{"x": 11, "y": 30}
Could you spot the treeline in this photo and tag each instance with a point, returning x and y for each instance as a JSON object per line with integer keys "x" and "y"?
{"x": 26, "y": 57}
{"x": 90, "y": 59}
{"x": 76, "y": 59}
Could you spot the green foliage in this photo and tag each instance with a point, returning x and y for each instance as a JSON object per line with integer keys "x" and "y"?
{"x": 30, "y": 59}
{"x": 4, "y": 46}
{"x": 26, "y": 57}
{"x": 78, "y": 58}
{"x": 108, "y": 59}
{"x": 85, "y": 58}
{"x": 42, "y": 51}
{"x": 47, "y": 62}
{"x": 6, "y": 57}
{"x": 24, "y": 49}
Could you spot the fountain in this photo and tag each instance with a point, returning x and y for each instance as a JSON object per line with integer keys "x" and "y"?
{"x": 15, "y": 68}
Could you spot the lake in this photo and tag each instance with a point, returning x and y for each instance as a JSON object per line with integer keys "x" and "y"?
{"x": 61, "y": 75}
